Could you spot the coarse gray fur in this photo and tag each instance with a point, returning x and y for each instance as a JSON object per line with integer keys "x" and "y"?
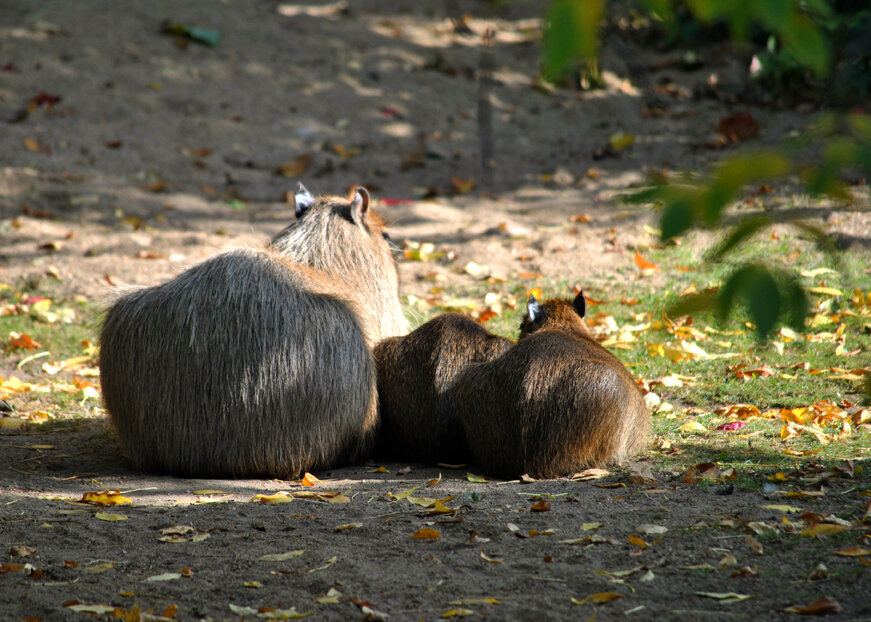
{"x": 257, "y": 362}
{"x": 417, "y": 377}
{"x": 554, "y": 403}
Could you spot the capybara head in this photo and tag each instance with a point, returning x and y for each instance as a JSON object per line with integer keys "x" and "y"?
{"x": 344, "y": 237}
{"x": 562, "y": 314}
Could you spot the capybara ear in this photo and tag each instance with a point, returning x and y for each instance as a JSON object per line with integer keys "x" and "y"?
{"x": 360, "y": 205}
{"x": 533, "y": 309}
{"x": 580, "y": 304}
{"x": 303, "y": 199}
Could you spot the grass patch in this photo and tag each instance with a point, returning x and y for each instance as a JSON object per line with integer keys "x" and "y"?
{"x": 51, "y": 371}
{"x": 823, "y": 365}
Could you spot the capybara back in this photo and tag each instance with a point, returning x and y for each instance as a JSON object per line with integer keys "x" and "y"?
{"x": 554, "y": 403}
{"x": 257, "y": 362}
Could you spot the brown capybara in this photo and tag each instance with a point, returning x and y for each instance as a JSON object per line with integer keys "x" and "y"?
{"x": 417, "y": 377}
{"x": 258, "y": 362}
{"x": 555, "y": 402}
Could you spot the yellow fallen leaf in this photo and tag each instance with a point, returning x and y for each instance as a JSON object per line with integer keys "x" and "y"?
{"x": 591, "y": 526}
{"x": 425, "y": 534}
{"x": 280, "y": 557}
{"x": 633, "y": 539}
{"x": 110, "y": 517}
{"x": 476, "y": 600}
{"x": 621, "y": 140}
{"x": 826, "y": 291}
{"x": 489, "y": 560}
{"x": 854, "y": 551}
{"x": 281, "y": 496}
{"x": 477, "y": 479}
{"x": 598, "y": 598}
{"x": 347, "y": 526}
{"x": 692, "y": 426}
{"x": 253, "y": 584}
{"x": 402, "y": 495}
{"x": 330, "y": 598}
{"x": 781, "y": 508}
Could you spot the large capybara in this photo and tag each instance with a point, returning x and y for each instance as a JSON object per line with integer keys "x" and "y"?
{"x": 258, "y": 362}
{"x": 555, "y": 402}
{"x": 417, "y": 376}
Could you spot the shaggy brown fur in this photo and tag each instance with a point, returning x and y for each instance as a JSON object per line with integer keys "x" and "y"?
{"x": 555, "y": 403}
{"x": 417, "y": 377}
{"x": 258, "y": 363}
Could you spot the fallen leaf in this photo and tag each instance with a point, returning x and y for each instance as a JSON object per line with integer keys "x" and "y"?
{"x": 95, "y": 609}
{"x": 347, "y": 526}
{"x": 425, "y": 534}
{"x": 309, "y": 480}
{"x": 477, "y": 479}
{"x": 643, "y": 264}
{"x": 635, "y": 540}
{"x": 725, "y": 597}
{"x": 651, "y": 530}
{"x": 692, "y": 426}
{"x": 281, "y": 496}
{"x": 823, "y": 529}
{"x": 167, "y": 576}
{"x": 21, "y": 550}
{"x": 598, "y": 598}
{"x": 589, "y": 474}
{"x": 110, "y": 517}
{"x": 488, "y": 559}
{"x": 854, "y": 551}
{"x": 753, "y": 543}
{"x": 820, "y": 607}
{"x": 23, "y": 340}
{"x": 737, "y": 127}
{"x": 542, "y": 506}
{"x": 105, "y": 497}
{"x": 281, "y": 557}
{"x": 457, "y": 613}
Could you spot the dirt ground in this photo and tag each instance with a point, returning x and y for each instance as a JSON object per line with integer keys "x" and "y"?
{"x": 146, "y": 154}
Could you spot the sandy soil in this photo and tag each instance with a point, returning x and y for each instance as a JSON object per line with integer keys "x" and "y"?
{"x": 158, "y": 154}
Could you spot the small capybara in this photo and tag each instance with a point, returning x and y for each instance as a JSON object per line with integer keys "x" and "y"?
{"x": 555, "y": 402}
{"x": 417, "y": 377}
{"x": 258, "y": 362}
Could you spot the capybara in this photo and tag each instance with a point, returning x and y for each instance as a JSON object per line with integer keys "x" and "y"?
{"x": 417, "y": 377}
{"x": 258, "y": 362}
{"x": 555, "y": 402}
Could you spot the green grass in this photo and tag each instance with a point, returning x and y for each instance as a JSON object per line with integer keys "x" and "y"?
{"x": 714, "y": 382}
{"x": 62, "y": 328}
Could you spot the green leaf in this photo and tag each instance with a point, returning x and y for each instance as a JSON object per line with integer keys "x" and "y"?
{"x": 677, "y": 217}
{"x": 741, "y": 170}
{"x": 807, "y": 44}
{"x": 758, "y": 288}
{"x": 739, "y": 233}
{"x": 571, "y": 33}
{"x": 763, "y": 302}
{"x": 691, "y": 305}
{"x": 797, "y": 305}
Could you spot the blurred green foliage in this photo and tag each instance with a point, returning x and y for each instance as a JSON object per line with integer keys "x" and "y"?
{"x": 800, "y": 36}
